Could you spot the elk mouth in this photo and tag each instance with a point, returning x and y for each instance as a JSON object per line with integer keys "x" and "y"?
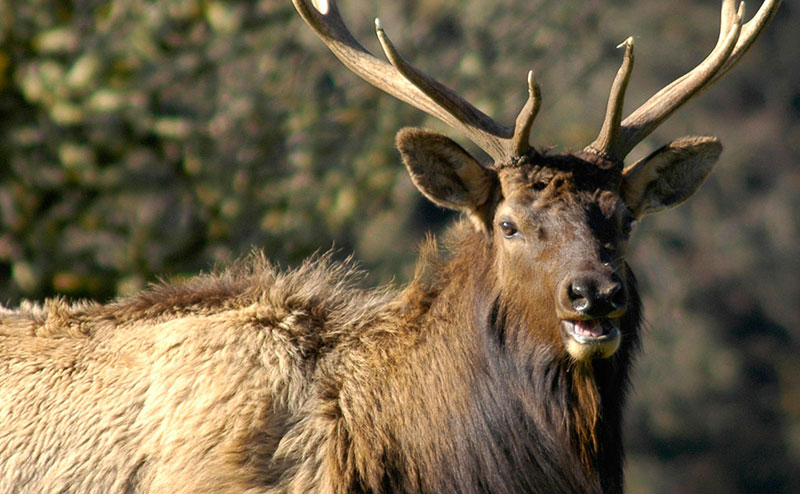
{"x": 591, "y": 338}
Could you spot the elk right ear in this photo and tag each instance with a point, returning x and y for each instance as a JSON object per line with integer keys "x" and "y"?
{"x": 670, "y": 175}
{"x": 445, "y": 173}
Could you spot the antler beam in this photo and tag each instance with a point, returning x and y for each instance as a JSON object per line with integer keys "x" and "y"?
{"x": 617, "y": 139}
{"x": 407, "y": 83}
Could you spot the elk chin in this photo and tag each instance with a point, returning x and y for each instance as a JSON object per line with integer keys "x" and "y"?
{"x": 591, "y": 338}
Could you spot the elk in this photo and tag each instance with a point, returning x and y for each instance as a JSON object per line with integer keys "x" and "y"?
{"x": 502, "y": 367}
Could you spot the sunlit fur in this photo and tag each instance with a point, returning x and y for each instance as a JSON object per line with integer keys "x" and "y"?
{"x": 260, "y": 381}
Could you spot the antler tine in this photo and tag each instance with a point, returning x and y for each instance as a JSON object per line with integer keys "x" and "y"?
{"x": 329, "y": 26}
{"x": 733, "y": 42}
{"x": 609, "y": 132}
{"x": 749, "y": 34}
{"x": 652, "y": 113}
{"x": 522, "y": 127}
{"x": 402, "y": 80}
{"x": 480, "y": 128}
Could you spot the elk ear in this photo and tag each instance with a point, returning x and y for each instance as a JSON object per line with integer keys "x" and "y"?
{"x": 670, "y": 175}
{"x": 445, "y": 173}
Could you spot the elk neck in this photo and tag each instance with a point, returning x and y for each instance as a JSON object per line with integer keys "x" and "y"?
{"x": 511, "y": 336}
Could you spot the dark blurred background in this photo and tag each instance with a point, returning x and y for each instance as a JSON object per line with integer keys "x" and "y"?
{"x": 141, "y": 139}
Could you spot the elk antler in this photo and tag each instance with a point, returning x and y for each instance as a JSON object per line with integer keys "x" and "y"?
{"x": 409, "y": 84}
{"x": 617, "y": 139}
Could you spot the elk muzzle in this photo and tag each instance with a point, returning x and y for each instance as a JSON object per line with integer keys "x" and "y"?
{"x": 590, "y": 306}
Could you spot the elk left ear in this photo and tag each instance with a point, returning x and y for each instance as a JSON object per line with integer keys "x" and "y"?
{"x": 670, "y": 175}
{"x": 446, "y": 174}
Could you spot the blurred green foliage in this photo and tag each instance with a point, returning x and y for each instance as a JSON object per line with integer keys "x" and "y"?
{"x": 143, "y": 138}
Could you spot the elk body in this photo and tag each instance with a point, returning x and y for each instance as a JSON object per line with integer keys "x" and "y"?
{"x": 502, "y": 367}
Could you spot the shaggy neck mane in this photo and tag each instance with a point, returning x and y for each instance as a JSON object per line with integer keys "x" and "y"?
{"x": 572, "y": 406}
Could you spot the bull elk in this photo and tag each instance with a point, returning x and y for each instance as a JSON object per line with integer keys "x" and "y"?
{"x": 501, "y": 367}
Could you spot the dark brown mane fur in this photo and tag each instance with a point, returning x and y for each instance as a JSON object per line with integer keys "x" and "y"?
{"x": 584, "y": 400}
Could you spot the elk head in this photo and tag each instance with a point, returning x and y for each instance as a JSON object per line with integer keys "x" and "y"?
{"x": 557, "y": 225}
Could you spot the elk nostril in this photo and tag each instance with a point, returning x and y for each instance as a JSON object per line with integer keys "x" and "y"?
{"x": 618, "y": 297}
{"x": 577, "y": 289}
{"x": 580, "y": 295}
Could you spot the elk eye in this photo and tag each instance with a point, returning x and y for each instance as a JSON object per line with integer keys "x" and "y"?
{"x": 628, "y": 225}
{"x": 508, "y": 228}
{"x": 541, "y": 185}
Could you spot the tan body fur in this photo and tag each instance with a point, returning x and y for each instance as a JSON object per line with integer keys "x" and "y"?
{"x": 169, "y": 397}
{"x": 255, "y": 381}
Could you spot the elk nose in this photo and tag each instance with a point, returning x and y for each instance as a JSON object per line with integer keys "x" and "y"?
{"x": 596, "y": 297}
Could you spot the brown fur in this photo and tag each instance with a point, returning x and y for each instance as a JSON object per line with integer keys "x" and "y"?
{"x": 159, "y": 388}
{"x": 253, "y": 380}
